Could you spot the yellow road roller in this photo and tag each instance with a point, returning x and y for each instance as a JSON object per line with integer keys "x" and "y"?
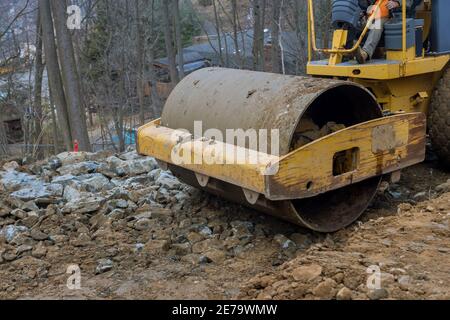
{"x": 312, "y": 150}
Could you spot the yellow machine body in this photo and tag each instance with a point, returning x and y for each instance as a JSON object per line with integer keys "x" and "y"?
{"x": 302, "y": 184}
{"x": 403, "y": 82}
{"x": 376, "y": 147}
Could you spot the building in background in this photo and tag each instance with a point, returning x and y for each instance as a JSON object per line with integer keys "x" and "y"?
{"x": 12, "y": 124}
{"x": 206, "y": 52}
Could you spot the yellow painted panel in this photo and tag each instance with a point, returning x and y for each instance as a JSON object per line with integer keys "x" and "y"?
{"x": 369, "y": 71}
{"x": 384, "y": 145}
{"x": 229, "y": 163}
{"x": 380, "y": 71}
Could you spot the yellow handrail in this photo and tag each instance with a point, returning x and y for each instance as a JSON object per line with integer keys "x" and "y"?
{"x": 404, "y": 44}
{"x": 312, "y": 31}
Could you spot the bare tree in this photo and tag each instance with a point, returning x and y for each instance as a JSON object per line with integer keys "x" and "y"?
{"x": 218, "y": 31}
{"x": 236, "y": 28}
{"x": 259, "y": 9}
{"x": 140, "y": 51}
{"x": 153, "y": 39}
{"x": 275, "y": 30}
{"x": 168, "y": 36}
{"x": 53, "y": 72}
{"x": 178, "y": 37}
{"x": 37, "y": 101}
{"x": 72, "y": 89}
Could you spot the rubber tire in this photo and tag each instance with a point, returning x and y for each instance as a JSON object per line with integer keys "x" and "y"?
{"x": 439, "y": 119}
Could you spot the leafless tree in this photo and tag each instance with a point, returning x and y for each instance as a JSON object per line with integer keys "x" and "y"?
{"x": 168, "y": 36}
{"x": 53, "y": 71}
{"x": 37, "y": 101}
{"x": 71, "y": 82}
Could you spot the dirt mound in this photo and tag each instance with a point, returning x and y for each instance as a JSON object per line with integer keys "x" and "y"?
{"x": 410, "y": 250}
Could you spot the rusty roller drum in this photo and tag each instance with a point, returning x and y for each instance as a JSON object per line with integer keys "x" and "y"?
{"x": 235, "y": 99}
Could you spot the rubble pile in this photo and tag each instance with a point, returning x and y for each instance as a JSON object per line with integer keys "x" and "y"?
{"x": 135, "y": 231}
{"x": 116, "y": 210}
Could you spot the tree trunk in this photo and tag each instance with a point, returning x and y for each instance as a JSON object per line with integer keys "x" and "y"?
{"x": 77, "y": 116}
{"x": 263, "y": 34}
{"x": 276, "y": 56}
{"x": 156, "y": 100}
{"x": 235, "y": 20}
{"x": 53, "y": 72}
{"x": 219, "y": 33}
{"x": 168, "y": 37}
{"x": 37, "y": 101}
{"x": 258, "y": 35}
{"x": 179, "y": 38}
{"x": 54, "y": 123}
{"x": 140, "y": 51}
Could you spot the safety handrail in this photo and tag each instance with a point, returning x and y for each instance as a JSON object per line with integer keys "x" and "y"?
{"x": 312, "y": 31}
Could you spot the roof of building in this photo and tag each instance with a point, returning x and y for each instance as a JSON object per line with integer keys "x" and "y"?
{"x": 244, "y": 47}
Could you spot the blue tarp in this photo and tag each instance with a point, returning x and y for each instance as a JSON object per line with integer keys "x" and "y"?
{"x": 129, "y": 137}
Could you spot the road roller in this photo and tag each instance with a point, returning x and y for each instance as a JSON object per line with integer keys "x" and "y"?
{"x": 313, "y": 150}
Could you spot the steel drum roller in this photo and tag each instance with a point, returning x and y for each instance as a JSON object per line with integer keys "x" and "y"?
{"x": 235, "y": 99}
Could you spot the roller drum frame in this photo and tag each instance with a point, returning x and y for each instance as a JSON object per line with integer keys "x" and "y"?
{"x": 233, "y": 99}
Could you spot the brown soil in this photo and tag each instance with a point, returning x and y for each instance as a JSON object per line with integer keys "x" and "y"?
{"x": 407, "y": 238}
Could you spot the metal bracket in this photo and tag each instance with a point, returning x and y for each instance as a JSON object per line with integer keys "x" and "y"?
{"x": 251, "y": 196}
{"x": 202, "y": 179}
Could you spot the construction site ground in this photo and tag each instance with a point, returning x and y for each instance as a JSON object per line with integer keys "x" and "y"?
{"x": 135, "y": 232}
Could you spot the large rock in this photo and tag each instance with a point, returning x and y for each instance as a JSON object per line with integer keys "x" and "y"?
{"x": 325, "y": 289}
{"x": 215, "y": 255}
{"x": 14, "y": 180}
{"x": 344, "y": 294}
{"x": 79, "y": 168}
{"x": 138, "y": 167}
{"x": 168, "y": 181}
{"x": 72, "y": 194}
{"x": 11, "y": 231}
{"x": 39, "y": 191}
{"x": 54, "y": 163}
{"x": 68, "y": 158}
{"x": 109, "y": 167}
{"x": 95, "y": 182}
{"x": 242, "y": 230}
{"x": 130, "y": 156}
{"x": 307, "y": 273}
{"x": 133, "y": 182}
{"x": 133, "y": 166}
{"x": 104, "y": 265}
{"x": 65, "y": 180}
{"x": 84, "y": 205}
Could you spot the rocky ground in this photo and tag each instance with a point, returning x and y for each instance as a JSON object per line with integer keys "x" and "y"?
{"x": 136, "y": 232}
